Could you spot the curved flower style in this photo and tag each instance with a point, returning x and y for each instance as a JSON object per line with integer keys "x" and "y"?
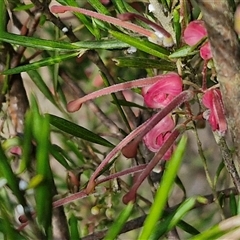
{"x": 212, "y": 99}
{"x": 194, "y": 32}
{"x": 155, "y": 138}
{"x": 163, "y": 91}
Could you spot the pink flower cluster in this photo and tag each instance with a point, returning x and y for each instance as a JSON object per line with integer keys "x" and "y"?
{"x": 195, "y": 32}
{"x": 159, "y": 95}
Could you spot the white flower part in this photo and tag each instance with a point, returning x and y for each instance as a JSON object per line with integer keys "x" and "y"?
{"x": 151, "y": 8}
{"x": 206, "y": 114}
{"x": 158, "y": 169}
{"x": 3, "y": 182}
{"x": 65, "y": 30}
{"x": 158, "y": 34}
{"x": 19, "y": 209}
{"x": 155, "y": 39}
{"x": 23, "y": 185}
{"x": 131, "y": 50}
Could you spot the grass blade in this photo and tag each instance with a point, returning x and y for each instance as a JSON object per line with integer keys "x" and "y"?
{"x": 162, "y": 194}
{"x": 119, "y": 223}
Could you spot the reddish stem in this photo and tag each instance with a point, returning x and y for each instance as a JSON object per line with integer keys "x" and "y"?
{"x": 131, "y": 170}
{"x": 76, "y": 104}
{"x": 140, "y": 131}
{"x": 153, "y": 25}
{"x": 75, "y": 196}
{"x": 131, "y": 195}
{"x": 112, "y": 20}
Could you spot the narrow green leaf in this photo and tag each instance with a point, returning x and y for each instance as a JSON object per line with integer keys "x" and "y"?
{"x": 212, "y": 233}
{"x": 172, "y": 220}
{"x": 233, "y": 204}
{"x": 6, "y": 171}
{"x": 181, "y": 185}
{"x": 238, "y": 205}
{"x": 3, "y": 18}
{"x": 73, "y": 224}
{"x": 119, "y": 6}
{"x": 27, "y": 145}
{"x": 187, "y": 228}
{"x": 43, "y": 193}
{"x": 119, "y": 223}
{"x": 23, "y": 7}
{"x": 56, "y": 152}
{"x": 124, "y": 6}
{"x": 37, "y": 42}
{"x": 183, "y": 52}
{"x": 101, "y": 44}
{"x": 140, "y": 62}
{"x": 37, "y": 79}
{"x": 78, "y": 131}
{"x": 82, "y": 18}
{"x": 221, "y": 166}
{"x": 177, "y": 26}
{"x": 163, "y": 191}
{"x": 142, "y": 45}
{"x": 99, "y": 7}
{"x": 40, "y": 63}
{"x": 72, "y": 146}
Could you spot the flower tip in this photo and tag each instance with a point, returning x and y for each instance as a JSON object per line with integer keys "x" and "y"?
{"x": 73, "y": 106}
{"x": 129, "y": 197}
{"x": 125, "y": 16}
{"x": 168, "y": 41}
{"x": 16, "y": 151}
{"x": 130, "y": 151}
{"x": 58, "y": 9}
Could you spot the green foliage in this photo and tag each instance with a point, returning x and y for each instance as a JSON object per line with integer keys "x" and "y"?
{"x": 163, "y": 192}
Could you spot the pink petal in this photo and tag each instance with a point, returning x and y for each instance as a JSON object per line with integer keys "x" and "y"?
{"x": 162, "y": 92}
{"x": 155, "y": 138}
{"x": 194, "y": 32}
{"x": 205, "y": 51}
{"x": 207, "y": 99}
{"x": 212, "y": 99}
{"x": 16, "y": 151}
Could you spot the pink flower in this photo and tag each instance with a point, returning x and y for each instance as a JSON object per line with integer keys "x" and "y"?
{"x": 205, "y": 51}
{"x": 163, "y": 91}
{"x": 155, "y": 138}
{"x": 16, "y": 151}
{"x": 212, "y": 99}
{"x": 194, "y": 32}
